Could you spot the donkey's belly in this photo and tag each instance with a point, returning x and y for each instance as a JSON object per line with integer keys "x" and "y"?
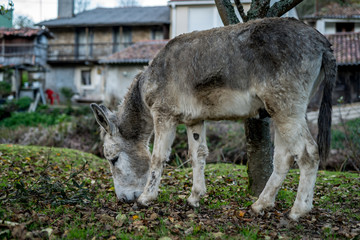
{"x": 220, "y": 105}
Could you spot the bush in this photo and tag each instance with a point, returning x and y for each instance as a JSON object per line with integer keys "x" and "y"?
{"x": 68, "y": 93}
{"x": 21, "y": 104}
{"x": 350, "y": 133}
{"x": 80, "y": 133}
{"x": 345, "y": 141}
{"x": 33, "y": 119}
{"x": 5, "y": 89}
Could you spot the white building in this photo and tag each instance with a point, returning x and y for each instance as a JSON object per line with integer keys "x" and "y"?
{"x": 189, "y": 15}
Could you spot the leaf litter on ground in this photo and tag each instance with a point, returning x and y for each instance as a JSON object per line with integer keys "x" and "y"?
{"x": 62, "y": 193}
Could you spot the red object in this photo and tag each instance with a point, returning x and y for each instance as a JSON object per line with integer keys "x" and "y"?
{"x": 51, "y": 95}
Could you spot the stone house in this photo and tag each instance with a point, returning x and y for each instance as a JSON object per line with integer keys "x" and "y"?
{"x": 341, "y": 25}
{"x": 23, "y": 56}
{"x": 347, "y": 52}
{"x": 81, "y": 40}
{"x": 335, "y": 18}
{"x": 121, "y": 68}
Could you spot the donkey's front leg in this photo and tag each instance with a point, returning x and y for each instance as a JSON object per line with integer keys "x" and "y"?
{"x": 198, "y": 152}
{"x": 164, "y": 137}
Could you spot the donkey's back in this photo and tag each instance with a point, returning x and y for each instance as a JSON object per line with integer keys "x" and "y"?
{"x": 231, "y": 72}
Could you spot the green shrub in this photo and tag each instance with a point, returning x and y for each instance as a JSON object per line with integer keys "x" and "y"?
{"x": 349, "y": 133}
{"x": 23, "y": 103}
{"x": 346, "y": 138}
{"x": 68, "y": 93}
{"x": 33, "y": 119}
{"x": 337, "y": 139}
{"x": 5, "y": 89}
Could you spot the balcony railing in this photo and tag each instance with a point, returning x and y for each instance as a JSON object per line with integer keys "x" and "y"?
{"x": 83, "y": 52}
{"x": 15, "y": 54}
{"x": 9, "y": 50}
{"x": 40, "y": 53}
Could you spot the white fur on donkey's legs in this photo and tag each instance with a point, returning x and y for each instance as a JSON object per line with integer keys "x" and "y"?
{"x": 308, "y": 165}
{"x": 267, "y": 196}
{"x": 198, "y": 152}
{"x": 164, "y": 137}
{"x": 282, "y": 163}
{"x": 151, "y": 189}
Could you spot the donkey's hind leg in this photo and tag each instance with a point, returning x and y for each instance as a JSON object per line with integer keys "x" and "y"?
{"x": 308, "y": 162}
{"x": 301, "y": 147}
{"x": 198, "y": 152}
{"x": 282, "y": 163}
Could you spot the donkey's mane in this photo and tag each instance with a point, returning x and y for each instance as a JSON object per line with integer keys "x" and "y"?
{"x": 128, "y": 94}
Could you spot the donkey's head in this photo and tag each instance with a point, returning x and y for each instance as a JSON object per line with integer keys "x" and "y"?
{"x": 129, "y": 161}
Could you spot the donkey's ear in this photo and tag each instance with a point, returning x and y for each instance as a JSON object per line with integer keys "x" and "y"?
{"x": 105, "y": 109}
{"x": 102, "y": 118}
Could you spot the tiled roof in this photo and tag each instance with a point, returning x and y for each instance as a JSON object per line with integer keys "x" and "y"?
{"x": 346, "y": 48}
{"x": 336, "y": 10}
{"x": 129, "y": 16}
{"x": 140, "y": 52}
{"x": 23, "y": 32}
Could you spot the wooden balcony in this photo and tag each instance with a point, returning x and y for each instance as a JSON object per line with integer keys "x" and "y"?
{"x": 61, "y": 53}
{"x": 22, "y": 54}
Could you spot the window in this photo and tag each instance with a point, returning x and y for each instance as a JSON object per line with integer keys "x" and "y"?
{"x": 126, "y": 36}
{"x": 83, "y": 43}
{"x": 345, "y": 27}
{"x": 157, "y": 33}
{"x": 86, "y": 77}
{"x": 116, "y": 39}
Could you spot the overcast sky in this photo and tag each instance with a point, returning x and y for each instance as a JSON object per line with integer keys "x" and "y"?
{"x": 39, "y": 10}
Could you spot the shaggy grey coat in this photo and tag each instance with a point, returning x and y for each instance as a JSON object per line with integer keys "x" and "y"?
{"x": 231, "y": 72}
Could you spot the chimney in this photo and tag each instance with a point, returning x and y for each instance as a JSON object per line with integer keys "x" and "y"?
{"x": 65, "y": 8}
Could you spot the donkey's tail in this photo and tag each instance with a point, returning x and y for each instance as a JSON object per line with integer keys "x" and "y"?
{"x": 324, "y": 120}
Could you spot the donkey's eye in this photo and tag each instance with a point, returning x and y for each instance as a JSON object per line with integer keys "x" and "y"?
{"x": 114, "y": 160}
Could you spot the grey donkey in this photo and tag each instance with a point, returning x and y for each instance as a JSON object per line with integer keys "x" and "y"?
{"x": 232, "y": 72}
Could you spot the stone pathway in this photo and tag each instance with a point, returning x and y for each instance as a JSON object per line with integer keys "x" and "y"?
{"x": 345, "y": 112}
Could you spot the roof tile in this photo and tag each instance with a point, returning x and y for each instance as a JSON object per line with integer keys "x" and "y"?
{"x": 21, "y": 32}
{"x": 140, "y": 52}
{"x": 346, "y": 48}
{"x": 114, "y": 16}
{"x": 335, "y": 10}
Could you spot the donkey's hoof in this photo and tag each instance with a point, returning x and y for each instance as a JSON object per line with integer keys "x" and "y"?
{"x": 143, "y": 201}
{"x": 294, "y": 216}
{"x": 299, "y": 210}
{"x": 257, "y": 208}
{"x": 193, "y": 202}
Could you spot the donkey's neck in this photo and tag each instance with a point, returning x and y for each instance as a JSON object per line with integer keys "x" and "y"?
{"x": 135, "y": 120}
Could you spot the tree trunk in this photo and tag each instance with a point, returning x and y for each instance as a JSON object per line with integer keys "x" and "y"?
{"x": 258, "y": 139}
{"x": 259, "y": 153}
{"x": 259, "y": 146}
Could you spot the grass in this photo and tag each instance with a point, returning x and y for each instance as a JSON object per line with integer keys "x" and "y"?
{"x": 224, "y": 212}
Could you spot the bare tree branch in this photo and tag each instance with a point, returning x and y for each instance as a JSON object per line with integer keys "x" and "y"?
{"x": 81, "y": 5}
{"x": 226, "y": 12}
{"x": 281, "y": 7}
{"x": 128, "y": 3}
{"x": 240, "y": 8}
{"x": 258, "y": 9}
